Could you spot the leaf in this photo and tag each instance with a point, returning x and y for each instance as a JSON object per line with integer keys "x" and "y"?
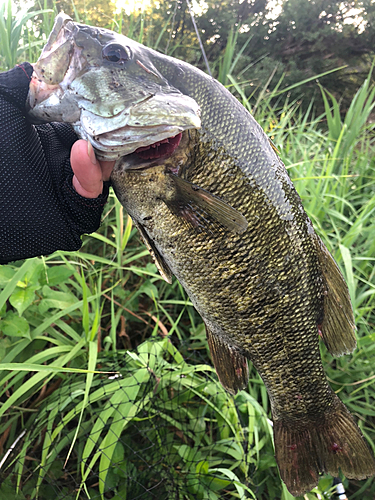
{"x": 12, "y": 283}
{"x": 6, "y": 274}
{"x": 29, "y": 367}
{"x": 215, "y": 483}
{"x": 56, "y": 275}
{"x": 149, "y": 289}
{"x": 7, "y": 491}
{"x": 5, "y": 343}
{"x": 56, "y": 300}
{"x": 285, "y": 495}
{"x": 347, "y": 258}
{"x": 3, "y": 310}
{"x": 202, "y": 467}
{"x": 34, "y": 273}
{"x": 15, "y": 326}
{"x": 237, "y": 483}
{"x": 21, "y": 298}
{"x": 188, "y": 454}
{"x": 118, "y": 454}
{"x": 93, "y": 353}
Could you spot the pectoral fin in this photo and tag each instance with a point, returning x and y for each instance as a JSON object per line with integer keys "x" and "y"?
{"x": 230, "y": 365}
{"x": 160, "y": 263}
{"x": 189, "y": 196}
{"x": 337, "y": 328}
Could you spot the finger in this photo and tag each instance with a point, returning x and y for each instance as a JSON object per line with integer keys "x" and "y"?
{"x": 88, "y": 176}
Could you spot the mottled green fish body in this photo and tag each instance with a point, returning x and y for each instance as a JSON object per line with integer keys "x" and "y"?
{"x": 220, "y": 213}
{"x": 263, "y": 293}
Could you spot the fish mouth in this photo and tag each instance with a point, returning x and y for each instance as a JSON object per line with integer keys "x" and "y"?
{"x": 161, "y": 149}
{"x": 170, "y": 152}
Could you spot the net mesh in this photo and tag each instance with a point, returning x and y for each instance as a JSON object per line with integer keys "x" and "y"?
{"x": 155, "y": 424}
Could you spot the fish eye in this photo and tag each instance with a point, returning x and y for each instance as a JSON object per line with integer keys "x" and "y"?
{"x": 117, "y": 53}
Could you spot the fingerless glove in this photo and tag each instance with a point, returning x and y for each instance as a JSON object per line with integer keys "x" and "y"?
{"x": 40, "y": 211}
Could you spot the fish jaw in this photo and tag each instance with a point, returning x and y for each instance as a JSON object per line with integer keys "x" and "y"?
{"x": 154, "y": 120}
{"x": 119, "y": 106}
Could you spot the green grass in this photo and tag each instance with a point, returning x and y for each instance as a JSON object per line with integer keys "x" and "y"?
{"x": 106, "y": 385}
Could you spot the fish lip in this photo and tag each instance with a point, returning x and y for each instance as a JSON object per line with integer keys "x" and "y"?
{"x": 39, "y": 91}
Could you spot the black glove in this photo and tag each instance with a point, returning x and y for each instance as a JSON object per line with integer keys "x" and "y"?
{"x": 40, "y": 210}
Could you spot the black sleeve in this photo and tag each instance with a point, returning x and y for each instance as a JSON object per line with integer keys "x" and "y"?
{"x": 40, "y": 210}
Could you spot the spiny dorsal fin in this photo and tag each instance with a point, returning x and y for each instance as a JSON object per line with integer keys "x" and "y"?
{"x": 160, "y": 263}
{"x": 189, "y": 194}
{"x": 230, "y": 365}
{"x": 337, "y": 328}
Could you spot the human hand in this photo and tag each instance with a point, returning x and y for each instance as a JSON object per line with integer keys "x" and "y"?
{"x": 42, "y": 209}
{"x": 89, "y": 173}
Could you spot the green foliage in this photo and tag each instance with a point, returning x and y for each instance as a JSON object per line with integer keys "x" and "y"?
{"x": 153, "y": 388}
{"x": 249, "y": 40}
{"x": 12, "y": 29}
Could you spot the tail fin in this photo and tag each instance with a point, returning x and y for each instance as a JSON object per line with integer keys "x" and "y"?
{"x": 321, "y": 446}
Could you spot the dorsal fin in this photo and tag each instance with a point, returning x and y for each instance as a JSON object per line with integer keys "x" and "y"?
{"x": 337, "y": 328}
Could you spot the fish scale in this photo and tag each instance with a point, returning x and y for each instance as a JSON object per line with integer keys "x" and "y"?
{"x": 220, "y": 212}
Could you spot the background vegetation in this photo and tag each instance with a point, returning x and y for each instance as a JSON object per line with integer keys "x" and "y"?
{"x": 106, "y": 386}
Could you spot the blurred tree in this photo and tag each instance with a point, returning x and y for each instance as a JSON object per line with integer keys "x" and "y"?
{"x": 309, "y": 37}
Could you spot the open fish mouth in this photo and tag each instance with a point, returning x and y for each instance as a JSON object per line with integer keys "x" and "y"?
{"x": 163, "y": 148}
{"x": 168, "y": 152}
{"x": 150, "y": 125}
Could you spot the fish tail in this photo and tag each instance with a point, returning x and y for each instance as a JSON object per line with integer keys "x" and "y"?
{"x": 322, "y": 446}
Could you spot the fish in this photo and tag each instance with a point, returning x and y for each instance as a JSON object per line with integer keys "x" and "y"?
{"x": 216, "y": 208}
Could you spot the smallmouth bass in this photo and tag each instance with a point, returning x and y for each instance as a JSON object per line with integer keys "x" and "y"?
{"x": 216, "y": 208}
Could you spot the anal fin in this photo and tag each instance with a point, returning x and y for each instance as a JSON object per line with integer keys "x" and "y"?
{"x": 230, "y": 365}
{"x": 337, "y": 327}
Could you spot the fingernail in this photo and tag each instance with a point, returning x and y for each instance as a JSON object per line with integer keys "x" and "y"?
{"x": 91, "y": 153}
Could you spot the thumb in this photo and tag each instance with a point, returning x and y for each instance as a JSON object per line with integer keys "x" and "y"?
{"x": 88, "y": 177}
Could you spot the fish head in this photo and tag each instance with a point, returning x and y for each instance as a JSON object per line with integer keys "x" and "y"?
{"x": 108, "y": 88}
